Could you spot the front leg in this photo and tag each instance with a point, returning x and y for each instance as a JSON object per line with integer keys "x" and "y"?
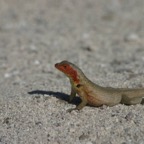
{"x": 81, "y": 105}
{"x": 73, "y": 94}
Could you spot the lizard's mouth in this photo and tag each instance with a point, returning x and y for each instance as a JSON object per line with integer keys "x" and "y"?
{"x": 57, "y": 65}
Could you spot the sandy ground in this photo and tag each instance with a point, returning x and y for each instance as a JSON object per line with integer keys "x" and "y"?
{"x": 105, "y": 38}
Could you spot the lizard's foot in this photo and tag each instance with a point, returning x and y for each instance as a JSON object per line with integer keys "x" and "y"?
{"x": 71, "y": 109}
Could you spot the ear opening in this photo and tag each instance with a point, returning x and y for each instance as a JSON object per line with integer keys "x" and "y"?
{"x": 78, "y": 85}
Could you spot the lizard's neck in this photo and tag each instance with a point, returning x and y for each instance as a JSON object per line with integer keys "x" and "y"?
{"x": 74, "y": 77}
{"x": 77, "y": 76}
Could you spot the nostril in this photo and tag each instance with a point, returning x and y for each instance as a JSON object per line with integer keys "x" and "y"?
{"x": 56, "y": 65}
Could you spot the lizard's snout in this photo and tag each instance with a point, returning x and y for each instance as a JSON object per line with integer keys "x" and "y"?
{"x": 56, "y": 65}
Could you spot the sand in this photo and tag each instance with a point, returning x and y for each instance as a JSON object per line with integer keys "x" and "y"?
{"x": 105, "y": 38}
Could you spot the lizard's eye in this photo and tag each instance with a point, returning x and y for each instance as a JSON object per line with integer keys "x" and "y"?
{"x": 65, "y": 66}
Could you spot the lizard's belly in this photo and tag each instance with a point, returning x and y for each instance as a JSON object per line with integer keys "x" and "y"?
{"x": 94, "y": 101}
{"x": 99, "y": 100}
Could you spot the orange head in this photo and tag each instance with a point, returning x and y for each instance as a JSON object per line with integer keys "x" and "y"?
{"x": 69, "y": 69}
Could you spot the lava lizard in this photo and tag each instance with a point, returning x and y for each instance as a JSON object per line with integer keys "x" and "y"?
{"x": 93, "y": 94}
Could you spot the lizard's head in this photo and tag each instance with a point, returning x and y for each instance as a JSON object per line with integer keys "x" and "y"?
{"x": 68, "y": 69}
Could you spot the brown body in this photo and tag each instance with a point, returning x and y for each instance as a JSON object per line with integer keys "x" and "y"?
{"x": 94, "y": 94}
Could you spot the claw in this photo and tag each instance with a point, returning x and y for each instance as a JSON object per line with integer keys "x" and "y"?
{"x": 71, "y": 109}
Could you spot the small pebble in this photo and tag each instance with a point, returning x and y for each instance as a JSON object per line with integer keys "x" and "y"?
{"x": 129, "y": 116}
{"x": 7, "y": 75}
{"x": 89, "y": 142}
{"x": 131, "y": 37}
{"x": 36, "y": 62}
{"x": 33, "y": 48}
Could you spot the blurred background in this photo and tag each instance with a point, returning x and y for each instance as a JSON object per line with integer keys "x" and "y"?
{"x": 34, "y": 35}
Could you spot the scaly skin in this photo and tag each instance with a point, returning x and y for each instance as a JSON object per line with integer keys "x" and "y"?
{"x": 94, "y": 94}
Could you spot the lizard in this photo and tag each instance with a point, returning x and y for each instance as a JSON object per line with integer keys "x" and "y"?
{"x": 95, "y": 95}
